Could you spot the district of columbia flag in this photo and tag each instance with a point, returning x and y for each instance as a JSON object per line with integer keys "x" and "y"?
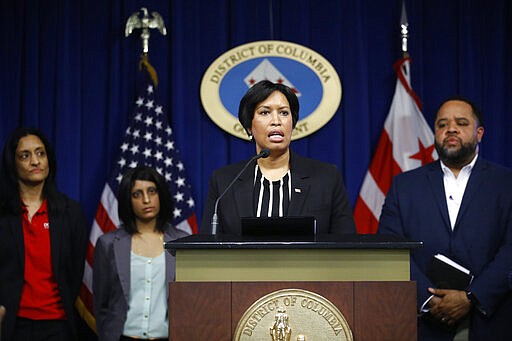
{"x": 406, "y": 142}
{"x": 148, "y": 141}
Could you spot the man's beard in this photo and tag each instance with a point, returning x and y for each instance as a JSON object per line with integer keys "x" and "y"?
{"x": 457, "y": 157}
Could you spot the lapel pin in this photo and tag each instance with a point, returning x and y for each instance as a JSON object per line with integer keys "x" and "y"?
{"x": 297, "y": 190}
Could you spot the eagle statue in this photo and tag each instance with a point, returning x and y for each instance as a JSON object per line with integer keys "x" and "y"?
{"x": 145, "y": 23}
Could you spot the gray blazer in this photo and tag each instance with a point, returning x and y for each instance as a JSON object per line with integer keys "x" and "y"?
{"x": 111, "y": 280}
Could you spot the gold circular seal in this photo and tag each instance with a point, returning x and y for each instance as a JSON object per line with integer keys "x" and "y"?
{"x": 293, "y": 315}
{"x": 327, "y": 92}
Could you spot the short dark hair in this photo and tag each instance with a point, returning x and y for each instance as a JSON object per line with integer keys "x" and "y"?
{"x": 257, "y": 94}
{"x": 124, "y": 208}
{"x": 9, "y": 190}
{"x": 474, "y": 108}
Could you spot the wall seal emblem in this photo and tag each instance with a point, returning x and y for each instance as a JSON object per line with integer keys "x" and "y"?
{"x": 290, "y": 315}
{"x": 310, "y": 75}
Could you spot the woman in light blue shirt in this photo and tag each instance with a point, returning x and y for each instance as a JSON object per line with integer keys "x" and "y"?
{"x": 131, "y": 268}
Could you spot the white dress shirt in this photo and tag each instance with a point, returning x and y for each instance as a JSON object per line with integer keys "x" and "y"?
{"x": 454, "y": 188}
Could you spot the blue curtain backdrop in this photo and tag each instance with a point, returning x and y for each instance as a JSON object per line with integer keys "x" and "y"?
{"x": 67, "y": 69}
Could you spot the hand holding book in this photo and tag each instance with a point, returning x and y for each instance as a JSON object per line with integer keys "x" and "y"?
{"x": 447, "y": 274}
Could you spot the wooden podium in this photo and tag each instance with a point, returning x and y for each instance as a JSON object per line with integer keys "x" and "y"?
{"x": 365, "y": 276}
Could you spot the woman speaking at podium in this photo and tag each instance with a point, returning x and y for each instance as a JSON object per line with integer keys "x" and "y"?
{"x": 276, "y": 182}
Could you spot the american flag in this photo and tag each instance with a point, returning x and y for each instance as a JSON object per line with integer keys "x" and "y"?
{"x": 406, "y": 142}
{"x": 148, "y": 141}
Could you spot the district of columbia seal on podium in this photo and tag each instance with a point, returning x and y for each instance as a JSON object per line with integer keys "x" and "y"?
{"x": 293, "y": 315}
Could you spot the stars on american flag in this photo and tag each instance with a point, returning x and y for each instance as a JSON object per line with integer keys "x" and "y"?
{"x": 149, "y": 141}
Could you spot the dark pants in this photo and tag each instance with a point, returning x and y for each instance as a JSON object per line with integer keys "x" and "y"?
{"x": 41, "y": 330}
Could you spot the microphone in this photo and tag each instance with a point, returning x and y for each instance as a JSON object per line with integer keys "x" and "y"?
{"x": 263, "y": 154}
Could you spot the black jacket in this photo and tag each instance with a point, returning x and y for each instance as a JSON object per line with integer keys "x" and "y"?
{"x": 68, "y": 241}
{"x": 317, "y": 190}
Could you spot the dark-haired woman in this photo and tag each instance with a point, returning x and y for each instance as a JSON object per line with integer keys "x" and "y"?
{"x": 282, "y": 184}
{"x": 43, "y": 236}
{"x": 131, "y": 268}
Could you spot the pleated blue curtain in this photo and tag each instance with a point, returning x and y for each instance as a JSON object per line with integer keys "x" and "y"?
{"x": 67, "y": 68}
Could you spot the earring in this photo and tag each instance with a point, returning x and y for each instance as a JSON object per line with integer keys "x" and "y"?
{"x": 250, "y": 137}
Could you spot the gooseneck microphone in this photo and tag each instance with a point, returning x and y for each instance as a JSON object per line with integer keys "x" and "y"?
{"x": 263, "y": 154}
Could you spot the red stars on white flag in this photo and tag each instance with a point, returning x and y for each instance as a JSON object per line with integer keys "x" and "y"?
{"x": 406, "y": 142}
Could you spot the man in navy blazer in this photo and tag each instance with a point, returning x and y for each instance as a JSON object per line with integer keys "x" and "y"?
{"x": 459, "y": 206}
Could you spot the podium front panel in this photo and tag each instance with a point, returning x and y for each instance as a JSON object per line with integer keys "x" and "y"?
{"x": 384, "y": 311}
{"x": 239, "y": 265}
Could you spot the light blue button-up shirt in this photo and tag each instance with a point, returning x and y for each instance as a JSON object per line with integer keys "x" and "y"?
{"x": 147, "y": 312}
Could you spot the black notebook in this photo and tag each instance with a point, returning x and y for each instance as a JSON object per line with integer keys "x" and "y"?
{"x": 447, "y": 274}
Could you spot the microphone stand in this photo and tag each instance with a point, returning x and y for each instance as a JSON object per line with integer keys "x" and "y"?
{"x": 215, "y": 223}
